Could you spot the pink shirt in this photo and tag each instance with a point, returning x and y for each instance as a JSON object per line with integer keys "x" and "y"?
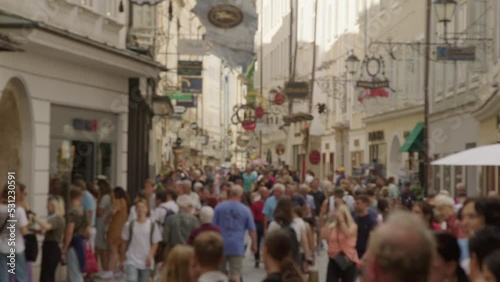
{"x": 339, "y": 242}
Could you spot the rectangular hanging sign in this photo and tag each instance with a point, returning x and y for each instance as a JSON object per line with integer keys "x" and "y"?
{"x": 192, "y": 85}
{"x": 450, "y": 53}
{"x": 297, "y": 90}
{"x": 193, "y": 68}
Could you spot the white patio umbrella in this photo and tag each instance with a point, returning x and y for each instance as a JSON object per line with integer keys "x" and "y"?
{"x": 488, "y": 155}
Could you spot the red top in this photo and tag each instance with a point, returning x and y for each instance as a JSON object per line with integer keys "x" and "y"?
{"x": 211, "y": 201}
{"x": 204, "y": 227}
{"x": 257, "y": 208}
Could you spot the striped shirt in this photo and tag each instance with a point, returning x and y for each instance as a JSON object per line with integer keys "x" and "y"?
{"x": 178, "y": 228}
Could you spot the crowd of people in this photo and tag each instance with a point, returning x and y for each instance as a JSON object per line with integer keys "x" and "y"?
{"x": 197, "y": 224}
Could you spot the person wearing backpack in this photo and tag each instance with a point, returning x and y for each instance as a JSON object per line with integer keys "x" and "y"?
{"x": 165, "y": 207}
{"x": 295, "y": 227}
{"x": 142, "y": 237}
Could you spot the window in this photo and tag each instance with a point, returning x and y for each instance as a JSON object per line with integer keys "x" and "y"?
{"x": 143, "y": 16}
{"x": 378, "y": 152}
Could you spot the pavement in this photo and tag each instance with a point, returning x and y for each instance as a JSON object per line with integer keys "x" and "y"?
{"x": 252, "y": 274}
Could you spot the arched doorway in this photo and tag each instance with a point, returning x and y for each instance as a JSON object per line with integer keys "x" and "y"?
{"x": 16, "y": 141}
{"x": 395, "y": 158}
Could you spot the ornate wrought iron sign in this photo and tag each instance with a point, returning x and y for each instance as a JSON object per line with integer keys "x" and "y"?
{"x": 225, "y": 16}
{"x": 297, "y": 90}
{"x": 375, "y": 68}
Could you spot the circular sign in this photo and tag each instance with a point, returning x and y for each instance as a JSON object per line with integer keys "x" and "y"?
{"x": 194, "y": 126}
{"x": 280, "y": 149}
{"x": 259, "y": 112}
{"x": 373, "y": 66}
{"x": 279, "y": 98}
{"x": 241, "y": 141}
{"x": 249, "y": 125}
{"x": 315, "y": 157}
{"x": 225, "y": 16}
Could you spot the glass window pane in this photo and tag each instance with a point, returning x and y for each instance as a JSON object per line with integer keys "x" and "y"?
{"x": 447, "y": 178}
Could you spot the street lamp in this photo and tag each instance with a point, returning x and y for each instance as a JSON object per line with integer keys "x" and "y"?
{"x": 161, "y": 106}
{"x": 445, "y": 11}
{"x": 352, "y": 64}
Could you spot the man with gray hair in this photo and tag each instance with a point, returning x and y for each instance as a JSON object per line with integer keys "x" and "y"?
{"x": 178, "y": 227}
{"x": 233, "y": 219}
{"x": 206, "y": 217}
{"x": 271, "y": 203}
{"x": 401, "y": 250}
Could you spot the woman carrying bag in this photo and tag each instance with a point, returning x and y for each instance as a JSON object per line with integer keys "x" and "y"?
{"x": 343, "y": 257}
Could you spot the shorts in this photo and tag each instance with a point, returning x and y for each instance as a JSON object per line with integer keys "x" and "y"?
{"x": 235, "y": 265}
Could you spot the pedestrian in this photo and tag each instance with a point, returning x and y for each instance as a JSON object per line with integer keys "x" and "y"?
{"x": 311, "y": 207}
{"x": 234, "y": 218}
{"x": 258, "y": 218}
{"x": 105, "y": 204}
{"x": 30, "y": 239}
{"x": 90, "y": 208}
{"x": 286, "y": 219}
{"x": 142, "y": 239}
{"x": 342, "y": 253}
{"x": 479, "y": 212}
{"x": 446, "y": 210}
{"x": 276, "y": 252}
{"x": 179, "y": 266}
{"x": 407, "y": 197}
{"x": 178, "y": 227}
{"x": 270, "y": 204}
{"x": 149, "y": 190}
{"x": 20, "y": 229}
{"x": 77, "y": 229}
{"x": 400, "y": 250}
{"x": 484, "y": 243}
{"x": 328, "y": 204}
{"x": 54, "y": 230}
{"x": 165, "y": 207}
{"x": 190, "y": 189}
{"x": 426, "y": 212}
{"x": 117, "y": 220}
{"x": 208, "y": 254}
{"x": 446, "y": 261}
{"x": 365, "y": 221}
{"x": 132, "y": 215}
{"x": 206, "y": 218}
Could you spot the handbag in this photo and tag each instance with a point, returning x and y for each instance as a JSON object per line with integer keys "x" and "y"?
{"x": 341, "y": 259}
{"x": 31, "y": 250}
{"x": 91, "y": 265}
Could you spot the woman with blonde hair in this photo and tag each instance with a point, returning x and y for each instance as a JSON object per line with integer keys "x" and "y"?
{"x": 342, "y": 247}
{"x": 180, "y": 266}
{"x": 53, "y": 229}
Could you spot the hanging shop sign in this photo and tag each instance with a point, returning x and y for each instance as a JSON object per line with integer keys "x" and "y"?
{"x": 146, "y": 2}
{"x": 189, "y": 68}
{"x": 187, "y": 101}
{"x": 85, "y": 124}
{"x": 193, "y": 47}
{"x": 179, "y": 109}
{"x": 259, "y": 112}
{"x": 242, "y": 141}
{"x": 315, "y": 157}
{"x": 452, "y": 53}
{"x": 280, "y": 149}
{"x": 297, "y": 90}
{"x": 193, "y": 126}
{"x": 193, "y": 85}
{"x": 225, "y": 16}
{"x": 249, "y": 125}
{"x": 375, "y": 68}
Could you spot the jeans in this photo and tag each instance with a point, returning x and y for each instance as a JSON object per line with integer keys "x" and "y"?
{"x": 259, "y": 227}
{"x": 73, "y": 266}
{"x": 133, "y": 274}
{"x": 51, "y": 256}
{"x": 335, "y": 274}
{"x": 21, "y": 269}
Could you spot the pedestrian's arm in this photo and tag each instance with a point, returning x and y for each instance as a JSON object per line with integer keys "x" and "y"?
{"x": 305, "y": 243}
{"x": 153, "y": 250}
{"x": 265, "y": 224}
{"x": 68, "y": 236}
{"x": 253, "y": 235}
{"x": 44, "y": 225}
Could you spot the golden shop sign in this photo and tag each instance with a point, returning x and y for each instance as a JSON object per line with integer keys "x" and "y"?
{"x": 297, "y": 90}
{"x": 225, "y": 16}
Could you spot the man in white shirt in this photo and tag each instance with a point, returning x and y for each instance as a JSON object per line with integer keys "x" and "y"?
{"x": 195, "y": 198}
{"x": 165, "y": 205}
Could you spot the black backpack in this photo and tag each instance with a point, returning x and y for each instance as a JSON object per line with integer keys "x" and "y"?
{"x": 295, "y": 243}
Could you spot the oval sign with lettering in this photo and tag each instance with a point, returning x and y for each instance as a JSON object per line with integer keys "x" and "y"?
{"x": 225, "y": 16}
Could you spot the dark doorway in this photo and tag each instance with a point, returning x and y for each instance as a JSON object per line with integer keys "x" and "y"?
{"x": 83, "y": 162}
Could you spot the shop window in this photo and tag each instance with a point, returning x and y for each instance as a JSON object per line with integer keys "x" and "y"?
{"x": 459, "y": 175}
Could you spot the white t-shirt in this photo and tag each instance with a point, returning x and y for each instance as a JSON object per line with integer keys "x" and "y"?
{"x": 213, "y": 276}
{"x": 161, "y": 211}
{"x": 195, "y": 200}
{"x": 22, "y": 221}
{"x": 298, "y": 225}
{"x": 140, "y": 245}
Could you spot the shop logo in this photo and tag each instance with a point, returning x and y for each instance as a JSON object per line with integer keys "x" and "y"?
{"x": 85, "y": 125}
{"x": 225, "y": 16}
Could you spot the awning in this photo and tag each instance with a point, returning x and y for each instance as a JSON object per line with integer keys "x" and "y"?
{"x": 415, "y": 141}
{"x": 488, "y": 155}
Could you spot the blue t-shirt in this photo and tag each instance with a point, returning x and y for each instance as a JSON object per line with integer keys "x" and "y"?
{"x": 269, "y": 208}
{"x": 233, "y": 219}
{"x": 88, "y": 203}
{"x": 248, "y": 180}
{"x": 365, "y": 226}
